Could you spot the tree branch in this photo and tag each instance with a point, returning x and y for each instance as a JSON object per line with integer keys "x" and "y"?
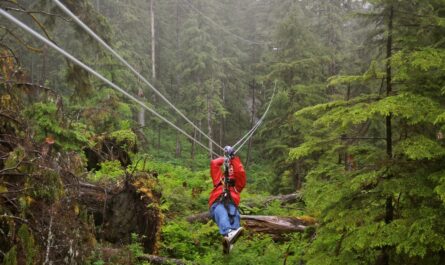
{"x": 21, "y": 41}
{"x": 11, "y": 168}
{"x": 39, "y": 12}
{"x": 39, "y": 24}
{"x": 14, "y": 217}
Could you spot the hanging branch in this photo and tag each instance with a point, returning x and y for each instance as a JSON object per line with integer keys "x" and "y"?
{"x": 39, "y": 24}
{"x": 21, "y": 41}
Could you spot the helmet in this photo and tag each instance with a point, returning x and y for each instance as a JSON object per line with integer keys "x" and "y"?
{"x": 229, "y": 151}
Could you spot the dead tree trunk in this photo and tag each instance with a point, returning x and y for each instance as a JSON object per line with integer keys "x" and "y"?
{"x": 122, "y": 210}
{"x": 252, "y": 122}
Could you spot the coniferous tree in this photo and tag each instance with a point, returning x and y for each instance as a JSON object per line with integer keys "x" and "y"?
{"x": 376, "y": 181}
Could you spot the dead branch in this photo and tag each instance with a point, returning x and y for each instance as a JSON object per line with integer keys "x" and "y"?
{"x": 92, "y": 186}
{"x": 13, "y": 217}
{"x": 21, "y": 41}
{"x": 9, "y": 118}
{"x": 39, "y": 24}
{"x": 11, "y": 168}
{"x": 49, "y": 239}
{"x": 10, "y": 50}
{"x": 28, "y": 84}
{"x": 10, "y": 201}
{"x": 38, "y": 12}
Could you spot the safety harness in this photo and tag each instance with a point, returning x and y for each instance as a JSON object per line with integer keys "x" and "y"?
{"x": 225, "y": 197}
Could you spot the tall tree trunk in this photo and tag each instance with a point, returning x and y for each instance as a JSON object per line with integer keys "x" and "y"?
{"x": 32, "y": 69}
{"x": 159, "y": 137}
{"x": 223, "y": 121}
{"x": 98, "y": 6}
{"x": 209, "y": 120}
{"x": 252, "y": 123}
{"x": 192, "y": 151}
{"x": 44, "y": 65}
{"x": 141, "y": 115}
{"x": 178, "y": 78}
{"x": 153, "y": 40}
{"x": 178, "y": 146}
{"x": 389, "y": 210}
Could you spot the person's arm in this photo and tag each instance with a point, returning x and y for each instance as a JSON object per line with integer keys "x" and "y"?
{"x": 215, "y": 170}
{"x": 239, "y": 173}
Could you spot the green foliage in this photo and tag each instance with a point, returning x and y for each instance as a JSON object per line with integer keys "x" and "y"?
{"x": 201, "y": 243}
{"x": 99, "y": 262}
{"x": 305, "y": 149}
{"x": 373, "y": 72}
{"x": 15, "y": 157}
{"x": 45, "y": 117}
{"x": 414, "y": 108}
{"x": 125, "y": 138}
{"x": 46, "y": 185}
{"x": 10, "y": 257}
{"x": 136, "y": 247}
{"x": 28, "y": 244}
{"x": 421, "y": 147}
{"x": 109, "y": 170}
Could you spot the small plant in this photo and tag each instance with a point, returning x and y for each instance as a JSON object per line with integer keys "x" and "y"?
{"x": 135, "y": 247}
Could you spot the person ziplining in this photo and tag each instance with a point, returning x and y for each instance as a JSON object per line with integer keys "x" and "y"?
{"x": 225, "y": 196}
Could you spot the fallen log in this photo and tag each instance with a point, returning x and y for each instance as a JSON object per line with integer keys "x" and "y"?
{"x": 274, "y": 225}
{"x": 287, "y": 198}
{"x": 204, "y": 217}
{"x": 283, "y": 199}
{"x": 160, "y": 260}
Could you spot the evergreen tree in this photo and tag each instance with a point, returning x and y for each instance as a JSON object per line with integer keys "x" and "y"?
{"x": 375, "y": 185}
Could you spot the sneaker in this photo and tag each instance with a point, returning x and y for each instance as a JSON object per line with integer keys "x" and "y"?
{"x": 233, "y": 235}
{"x": 226, "y": 245}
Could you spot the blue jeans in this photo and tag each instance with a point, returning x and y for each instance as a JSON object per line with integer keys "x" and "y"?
{"x": 223, "y": 218}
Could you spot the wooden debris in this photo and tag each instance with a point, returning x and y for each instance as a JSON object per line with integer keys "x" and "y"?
{"x": 161, "y": 260}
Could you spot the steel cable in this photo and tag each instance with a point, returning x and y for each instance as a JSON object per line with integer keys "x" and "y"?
{"x": 93, "y": 72}
{"x": 122, "y": 60}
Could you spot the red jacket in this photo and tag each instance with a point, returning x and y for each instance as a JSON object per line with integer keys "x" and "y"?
{"x": 217, "y": 174}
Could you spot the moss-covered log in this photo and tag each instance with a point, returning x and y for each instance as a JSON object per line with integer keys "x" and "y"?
{"x": 273, "y": 225}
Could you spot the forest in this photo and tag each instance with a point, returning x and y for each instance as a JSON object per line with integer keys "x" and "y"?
{"x": 111, "y": 112}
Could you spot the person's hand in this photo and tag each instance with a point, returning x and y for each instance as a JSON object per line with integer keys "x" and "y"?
{"x": 229, "y": 151}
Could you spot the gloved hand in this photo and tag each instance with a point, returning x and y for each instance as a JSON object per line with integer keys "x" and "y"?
{"x": 229, "y": 151}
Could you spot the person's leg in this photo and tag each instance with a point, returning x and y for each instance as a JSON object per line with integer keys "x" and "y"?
{"x": 234, "y": 216}
{"x": 221, "y": 218}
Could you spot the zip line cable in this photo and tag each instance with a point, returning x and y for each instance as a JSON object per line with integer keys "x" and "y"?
{"x": 122, "y": 60}
{"x": 260, "y": 120}
{"x": 222, "y": 28}
{"x": 93, "y": 72}
{"x": 254, "y": 128}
